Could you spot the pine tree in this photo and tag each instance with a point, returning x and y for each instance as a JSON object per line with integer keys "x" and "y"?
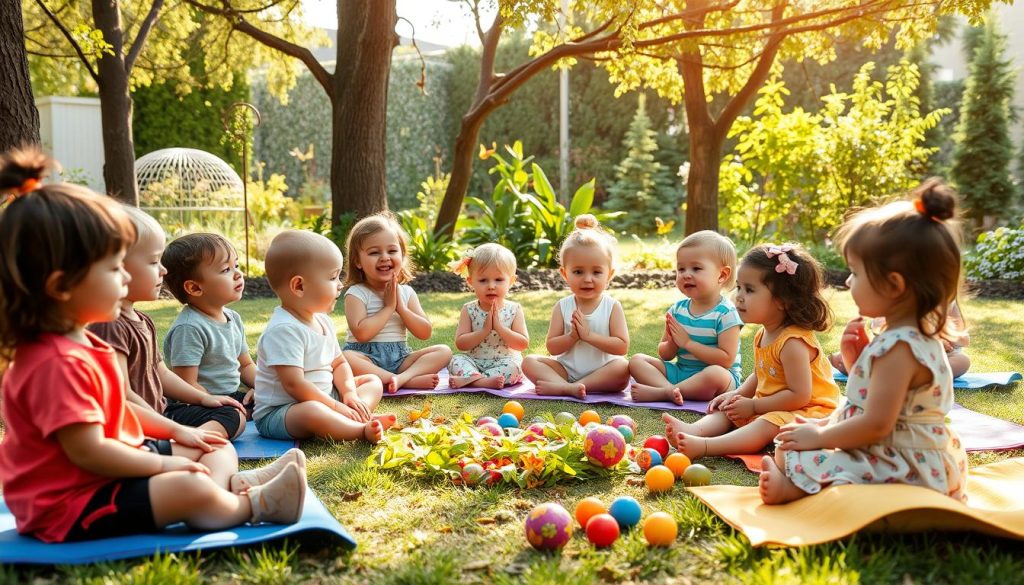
{"x": 981, "y": 160}
{"x": 643, "y": 187}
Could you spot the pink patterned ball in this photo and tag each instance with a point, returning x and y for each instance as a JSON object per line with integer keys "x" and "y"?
{"x": 604, "y": 446}
{"x": 548, "y": 527}
{"x": 492, "y": 428}
{"x": 622, "y": 419}
{"x": 534, "y": 432}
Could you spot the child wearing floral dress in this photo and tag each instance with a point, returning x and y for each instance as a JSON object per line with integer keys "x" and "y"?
{"x": 492, "y": 331}
{"x": 780, "y": 288}
{"x": 891, "y": 427}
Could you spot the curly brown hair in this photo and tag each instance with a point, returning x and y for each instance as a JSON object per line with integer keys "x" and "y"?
{"x": 800, "y": 292}
{"x": 57, "y": 227}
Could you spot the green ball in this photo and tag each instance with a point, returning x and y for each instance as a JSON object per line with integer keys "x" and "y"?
{"x": 697, "y": 474}
{"x": 565, "y": 418}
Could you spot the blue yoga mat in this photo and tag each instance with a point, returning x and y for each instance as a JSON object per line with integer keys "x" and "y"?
{"x": 969, "y": 381}
{"x": 316, "y": 523}
{"x": 253, "y": 446}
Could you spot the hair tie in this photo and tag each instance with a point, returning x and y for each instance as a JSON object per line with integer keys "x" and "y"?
{"x": 27, "y": 186}
{"x": 461, "y": 265}
{"x": 786, "y": 264}
{"x": 919, "y": 206}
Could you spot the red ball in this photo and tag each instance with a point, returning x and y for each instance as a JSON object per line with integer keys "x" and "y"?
{"x": 658, "y": 443}
{"x": 602, "y": 530}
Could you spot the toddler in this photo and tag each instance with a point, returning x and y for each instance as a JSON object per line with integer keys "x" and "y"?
{"x": 778, "y": 287}
{"x": 77, "y": 462}
{"x": 304, "y": 385}
{"x": 133, "y": 337}
{"x": 206, "y": 344}
{"x": 702, "y": 331}
{"x": 891, "y": 426}
{"x": 491, "y": 330}
{"x": 380, "y": 309}
{"x": 588, "y": 334}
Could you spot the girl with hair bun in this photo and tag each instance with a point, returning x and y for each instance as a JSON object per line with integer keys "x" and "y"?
{"x": 587, "y": 336}
{"x": 891, "y": 426}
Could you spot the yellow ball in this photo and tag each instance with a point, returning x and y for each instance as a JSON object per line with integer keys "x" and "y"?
{"x": 660, "y": 529}
{"x": 515, "y": 409}
{"x": 659, "y": 479}
{"x": 678, "y": 463}
{"x": 589, "y": 416}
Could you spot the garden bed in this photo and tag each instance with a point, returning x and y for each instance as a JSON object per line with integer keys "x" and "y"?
{"x": 550, "y": 279}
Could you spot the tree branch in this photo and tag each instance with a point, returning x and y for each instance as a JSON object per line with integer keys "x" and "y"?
{"x": 487, "y": 56}
{"x": 74, "y": 44}
{"x": 757, "y": 77}
{"x": 140, "y": 37}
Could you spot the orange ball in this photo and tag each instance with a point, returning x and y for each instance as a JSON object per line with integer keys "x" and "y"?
{"x": 660, "y": 529}
{"x": 515, "y": 409}
{"x": 659, "y": 479}
{"x": 678, "y": 463}
{"x": 587, "y": 508}
{"x": 589, "y": 416}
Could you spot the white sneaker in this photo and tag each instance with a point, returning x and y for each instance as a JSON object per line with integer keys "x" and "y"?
{"x": 251, "y": 478}
{"x": 280, "y": 500}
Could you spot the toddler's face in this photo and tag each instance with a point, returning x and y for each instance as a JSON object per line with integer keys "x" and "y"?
{"x": 143, "y": 263}
{"x": 870, "y": 303}
{"x": 754, "y": 300}
{"x": 220, "y": 279}
{"x": 587, "y": 271}
{"x": 97, "y": 297}
{"x": 321, "y": 282}
{"x": 380, "y": 257}
{"x": 698, "y": 275}
{"x": 490, "y": 284}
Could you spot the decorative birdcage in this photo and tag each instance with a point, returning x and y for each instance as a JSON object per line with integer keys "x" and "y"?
{"x": 185, "y": 181}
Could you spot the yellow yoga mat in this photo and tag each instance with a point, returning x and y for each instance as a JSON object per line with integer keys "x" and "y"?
{"x": 995, "y": 506}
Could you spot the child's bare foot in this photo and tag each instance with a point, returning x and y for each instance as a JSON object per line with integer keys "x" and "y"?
{"x": 387, "y": 420}
{"x": 496, "y": 382}
{"x": 677, "y": 396}
{"x": 391, "y": 385}
{"x": 373, "y": 431}
{"x": 548, "y": 388}
{"x": 692, "y": 446}
{"x": 648, "y": 393}
{"x": 428, "y": 381}
{"x": 774, "y": 486}
{"x": 461, "y": 381}
{"x": 674, "y": 426}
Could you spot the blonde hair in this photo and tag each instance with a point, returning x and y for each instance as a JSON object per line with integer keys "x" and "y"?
{"x": 721, "y": 248}
{"x": 145, "y": 224}
{"x": 365, "y": 228}
{"x": 485, "y": 256}
{"x": 589, "y": 233}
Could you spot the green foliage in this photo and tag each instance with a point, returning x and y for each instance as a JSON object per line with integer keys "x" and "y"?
{"x": 998, "y": 254}
{"x": 265, "y": 565}
{"x": 268, "y": 204}
{"x": 660, "y": 255}
{"x": 524, "y": 214}
{"x": 981, "y": 161}
{"x": 428, "y": 251}
{"x": 642, "y": 184}
{"x": 860, "y": 147}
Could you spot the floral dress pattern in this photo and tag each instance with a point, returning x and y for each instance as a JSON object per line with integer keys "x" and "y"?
{"x": 492, "y": 357}
{"x": 921, "y": 450}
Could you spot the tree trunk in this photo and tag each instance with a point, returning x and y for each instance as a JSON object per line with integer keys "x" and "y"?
{"x": 462, "y": 172}
{"x": 366, "y": 38}
{"x": 20, "y": 124}
{"x": 115, "y": 106}
{"x": 702, "y": 184}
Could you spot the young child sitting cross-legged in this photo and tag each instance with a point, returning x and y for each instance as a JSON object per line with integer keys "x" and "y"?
{"x": 206, "y": 344}
{"x": 133, "y": 337}
{"x": 304, "y": 385}
{"x": 702, "y": 331}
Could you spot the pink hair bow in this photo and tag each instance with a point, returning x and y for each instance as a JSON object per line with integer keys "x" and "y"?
{"x": 460, "y": 265}
{"x": 786, "y": 264}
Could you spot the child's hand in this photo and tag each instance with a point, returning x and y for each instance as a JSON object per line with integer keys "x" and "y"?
{"x": 169, "y": 463}
{"x": 216, "y": 400}
{"x": 739, "y": 408}
{"x": 249, "y": 397}
{"x": 489, "y": 320}
{"x": 391, "y": 294}
{"x": 798, "y": 436}
{"x": 359, "y": 409}
{"x": 723, "y": 398}
{"x": 676, "y": 331}
{"x": 853, "y": 341}
{"x": 579, "y": 322}
{"x": 345, "y": 411}
{"x": 495, "y": 314}
{"x": 198, "y": 438}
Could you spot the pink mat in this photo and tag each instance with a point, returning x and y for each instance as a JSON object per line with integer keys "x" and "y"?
{"x": 979, "y": 432}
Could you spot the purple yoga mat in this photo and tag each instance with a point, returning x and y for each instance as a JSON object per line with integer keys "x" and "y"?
{"x": 978, "y": 432}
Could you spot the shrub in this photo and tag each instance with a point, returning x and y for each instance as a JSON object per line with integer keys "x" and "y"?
{"x": 998, "y": 254}
{"x": 428, "y": 251}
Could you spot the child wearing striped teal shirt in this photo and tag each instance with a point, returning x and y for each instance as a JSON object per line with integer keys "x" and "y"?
{"x": 699, "y": 354}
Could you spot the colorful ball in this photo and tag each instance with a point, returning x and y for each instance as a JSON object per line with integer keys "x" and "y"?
{"x": 589, "y": 416}
{"x": 626, "y": 511}
{"x": 697, "y": 474}
{"x": 622, "y": 419}
{"x": 485, "y": 419}
{"x": 648, "y": 458}
{"x": 534, "y": 432}
{"x": 602, "y": 530}
{"x": 659, "y": 479}
{"x": 604, "y": 446}
{"x": 514, "y": 408}
{"x": 548, "y": 527}
{"x": 472, "y": 473}
{"x": 587, "y": 508}
{"x": 491, "y": 427}
{"x": 678, "y": 463}
{"x": 508, "y": 421}
{"x": 660, "y": 529}
{"x": 627, "y": 432}
{"x": 658, "y": 443}
{"x": 564, "y": 418}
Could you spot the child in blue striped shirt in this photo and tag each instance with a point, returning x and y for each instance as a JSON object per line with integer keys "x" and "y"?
{"x": 699, "y": 354}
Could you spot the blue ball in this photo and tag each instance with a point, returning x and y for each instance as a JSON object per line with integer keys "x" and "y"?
{"x": 508, "y": 420}
{"x": 626, "y": 512}
{"x": 627, "y": 433}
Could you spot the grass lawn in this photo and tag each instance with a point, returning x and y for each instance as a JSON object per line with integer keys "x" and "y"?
{"x": 412, "y": 531}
